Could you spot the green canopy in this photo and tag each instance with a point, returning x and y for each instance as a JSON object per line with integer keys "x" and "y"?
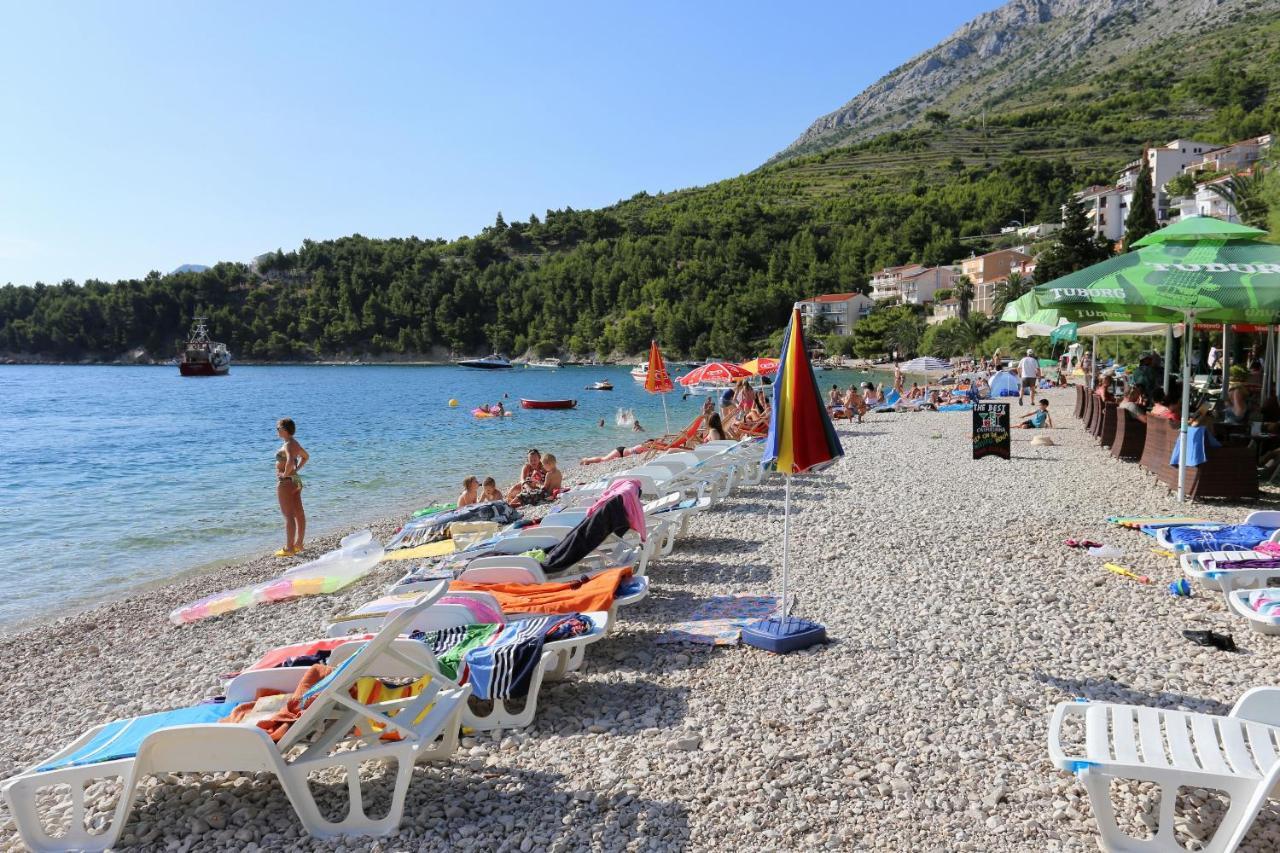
{"x": 1198, "y": 269}
{"x": 1225, "y": 277}
{"x": 1065, "y": 332}
{"x": 1034, "y": 321}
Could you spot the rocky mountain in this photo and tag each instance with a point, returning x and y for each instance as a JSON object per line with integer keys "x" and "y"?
{"x": 1006, "y": 52}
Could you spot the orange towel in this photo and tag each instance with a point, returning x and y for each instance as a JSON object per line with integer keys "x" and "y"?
{"x": 275, "y": 718}
{"x": 575, "y": 596}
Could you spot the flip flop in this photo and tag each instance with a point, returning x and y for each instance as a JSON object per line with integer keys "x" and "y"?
{"x": 283, "y": 552}
{"x": 1212, "y": 639}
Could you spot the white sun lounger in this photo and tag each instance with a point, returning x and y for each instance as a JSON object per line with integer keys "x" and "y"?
{"x": 1238, "y": 602}
{"x": 1173, "y": 749}
{"x": 427, "y": 724}
{"x": 559, "y": 657}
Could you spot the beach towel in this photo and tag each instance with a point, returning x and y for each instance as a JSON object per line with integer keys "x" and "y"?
{"x": 1265, "y": 601}
{"x": 1217, "y": 537}
{"x": 452, "y": 645}
{"x": 1197, "y": 453}
{"x": 431, "y": 549}
{"x": 609, "y": 518}
{"x": 1143, "y": 523}
{"x": 629, "y": 490}
{"x": 122, "y": 738}
{"x": 1268, "y": 548}
{"x": 433, "y": 528}
{"x": 719, "y": 621}
{"x": 284, "y": 655}
{"x": 956, "y": 407}
{"x": 574, "y": 596}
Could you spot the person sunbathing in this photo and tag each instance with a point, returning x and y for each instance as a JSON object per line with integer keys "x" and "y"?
{"x": 916, "y": 392}
{"x": 715, "y": 431}
{"x": 618, "y": 452}
{"x": 490, "y": 492}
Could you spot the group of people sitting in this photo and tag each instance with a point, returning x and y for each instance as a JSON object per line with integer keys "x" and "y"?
{"x": 540, "y": 481}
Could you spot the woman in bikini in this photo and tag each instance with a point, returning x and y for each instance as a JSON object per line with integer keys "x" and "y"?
{"x": 618, "y": 452}
{"x": 289, "y": 460}
{"x": 543, "y": 489}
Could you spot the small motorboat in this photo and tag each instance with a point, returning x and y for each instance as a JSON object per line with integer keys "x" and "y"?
{"x": 489, "y": 362}
{"x": 640, "y": 373}
{"x": 547, "y": 363}
{"x": 203, "y": 356}
{"x": 602, "y": 385}
{"x": 548, "y": 404}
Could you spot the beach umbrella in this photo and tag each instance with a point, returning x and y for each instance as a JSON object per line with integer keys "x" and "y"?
{"x": 1198, "y": 269}
{"x": 658, "y": 381}
{"x": 801, "y": 438}
{"x": 760, "y": 366}
{"x": 926, "y": 364}
{"x": 716, "y": 371}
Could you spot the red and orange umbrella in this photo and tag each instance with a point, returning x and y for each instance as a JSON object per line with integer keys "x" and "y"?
{"x": 716, "y": 371}
{"x": 760, "y": 366}
{"x": 658, "y": 381}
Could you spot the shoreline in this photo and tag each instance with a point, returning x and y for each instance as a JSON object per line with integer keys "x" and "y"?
{"x": 957, "y": 620}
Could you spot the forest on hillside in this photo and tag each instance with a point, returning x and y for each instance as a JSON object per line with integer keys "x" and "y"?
{"x": 707, "y": 271}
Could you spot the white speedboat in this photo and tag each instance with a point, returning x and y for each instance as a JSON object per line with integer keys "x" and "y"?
{"x": 640, "y": 373}
{"x": 551, "y": 363}
{"x": 489, "y": 362}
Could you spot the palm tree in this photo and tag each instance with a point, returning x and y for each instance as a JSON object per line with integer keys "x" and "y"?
{"x": 1008, "y": 291}
{"x": 1245, "y": 193}
{"x": 964, "y": 292}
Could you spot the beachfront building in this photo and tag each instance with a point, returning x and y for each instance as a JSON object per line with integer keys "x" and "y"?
{"x": 887, "y": 284}
{"x": 987, "y": 272}
{"x": 1205, "y": 202}
{"x": 1106, "y": 207}
{"x": 910, "y": 284}
{"x": 1216, "y": 168}
{"x": 841, "y": 310}
{"x": 944, "y": 309}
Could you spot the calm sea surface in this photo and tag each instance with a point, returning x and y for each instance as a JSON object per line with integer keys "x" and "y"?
{"x": 115, "y": 477}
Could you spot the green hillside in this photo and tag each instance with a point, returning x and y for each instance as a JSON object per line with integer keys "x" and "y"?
{"x": 709, "y": 270}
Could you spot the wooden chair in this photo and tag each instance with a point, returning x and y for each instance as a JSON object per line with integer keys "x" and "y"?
{"x": 1080, "y": 401}
{"x": 1229, "y": 472}
{"x": 1107, "y": 424}
{"x": 1131, "y": 436}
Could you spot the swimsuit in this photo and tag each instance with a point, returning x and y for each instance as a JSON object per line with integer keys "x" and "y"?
{"x": 282, "y": 456}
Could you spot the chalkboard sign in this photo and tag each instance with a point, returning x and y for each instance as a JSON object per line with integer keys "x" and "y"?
{"x": 991, "y": 430}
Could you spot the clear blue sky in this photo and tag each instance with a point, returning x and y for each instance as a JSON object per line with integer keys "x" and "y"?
{"x": 139, "y": 136}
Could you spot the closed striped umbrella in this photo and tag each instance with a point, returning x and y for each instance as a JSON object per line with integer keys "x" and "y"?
{"x": 926, "y": 364}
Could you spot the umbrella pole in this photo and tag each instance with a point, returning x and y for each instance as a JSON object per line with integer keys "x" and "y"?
{"x": 786, "y": 547}
{"x": 1226, "y": 359}
{"x": 1186, "y": 404}
{"x": 665, "y": 420}
{"x": 1093, "y": 364}
{"x": 1168, "y": 357}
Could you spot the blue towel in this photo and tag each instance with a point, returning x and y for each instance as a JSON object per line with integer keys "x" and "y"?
{"x": 955, "y": 407}
{"x": 1196, "y": 451}
{"x": 122, "y": 738}
{"x": 1218, "y": 537}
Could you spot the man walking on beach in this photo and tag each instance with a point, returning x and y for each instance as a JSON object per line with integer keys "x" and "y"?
{"x": 1029, "y": 370}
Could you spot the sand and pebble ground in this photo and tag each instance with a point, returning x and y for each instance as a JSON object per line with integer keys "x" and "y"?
{"x": 957, "y": 617}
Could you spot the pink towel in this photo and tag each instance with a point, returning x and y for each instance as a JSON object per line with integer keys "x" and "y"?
{"x": 630, "y": 492}
{"x": 484, "y": 613}
{"x": 1268, "y": 548}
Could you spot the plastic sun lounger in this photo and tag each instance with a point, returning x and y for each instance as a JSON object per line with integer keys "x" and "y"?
{"x": 1238, "y": 602}
{"x": 427, "y": 724}
{"x": 559, "y": 657}
{"x": 1266, "y": 518}
{"x": 1174, "y": 749}
{"x": 533, "y": 575}
{"x": 1214, "y": 569}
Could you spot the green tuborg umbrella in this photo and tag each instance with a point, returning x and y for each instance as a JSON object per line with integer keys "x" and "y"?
{"x": 1199, "y": 268}
{"x": 1218, "y": 270}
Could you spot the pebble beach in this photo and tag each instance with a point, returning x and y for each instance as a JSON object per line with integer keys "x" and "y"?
{"x": 957, "y": 620}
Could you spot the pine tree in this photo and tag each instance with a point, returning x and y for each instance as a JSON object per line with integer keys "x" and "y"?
{"x": 1074, "y": 247}
{"x": 1141, "y": 220}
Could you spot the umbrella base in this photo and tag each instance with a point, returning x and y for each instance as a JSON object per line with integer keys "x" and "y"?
{"x": 782, "y": 636}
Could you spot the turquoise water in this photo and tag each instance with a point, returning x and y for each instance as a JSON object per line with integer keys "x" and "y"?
{"x": 115, "y": 477}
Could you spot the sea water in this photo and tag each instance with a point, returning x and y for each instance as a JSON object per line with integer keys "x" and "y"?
{"x": 115, "y": 477}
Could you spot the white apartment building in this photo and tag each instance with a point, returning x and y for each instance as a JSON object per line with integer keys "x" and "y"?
{"x": 886, "y": 284}
{"x": 1231, "y": 158}
{"x": 1107, "y": 207}
{"x": 841, "y": 310}
{"x": 1206, "y": 202}
{"x": 919, "y": 288}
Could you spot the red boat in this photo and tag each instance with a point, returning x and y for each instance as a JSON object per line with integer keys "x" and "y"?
{"x": 547, "y": 404}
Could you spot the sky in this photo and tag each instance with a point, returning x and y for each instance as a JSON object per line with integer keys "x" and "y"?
{"x": 140, "y": 136}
